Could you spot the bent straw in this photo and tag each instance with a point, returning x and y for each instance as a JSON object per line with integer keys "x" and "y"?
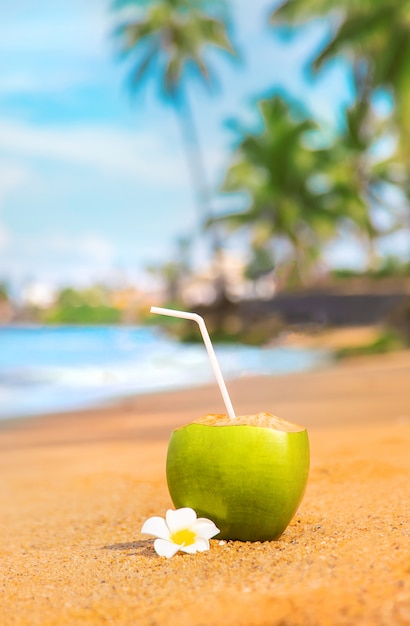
{"x": 209, "y": 347}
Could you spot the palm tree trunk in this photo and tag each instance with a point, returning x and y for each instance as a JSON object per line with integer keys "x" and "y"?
{"x": 199, "y": 183}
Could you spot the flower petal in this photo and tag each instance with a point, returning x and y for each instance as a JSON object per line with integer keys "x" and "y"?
{"x": 204, "y": 528}
{"x": 165, "y": 548}
{"x": 180, "y": 519}
{"x": 156, "y": 526}
{"x": 200, "y": 545}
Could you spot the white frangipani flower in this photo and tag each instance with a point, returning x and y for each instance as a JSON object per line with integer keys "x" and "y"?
{"x": 180, "y": 530}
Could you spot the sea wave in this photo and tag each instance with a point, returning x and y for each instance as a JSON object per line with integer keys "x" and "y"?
{"x": 55, "y": 369}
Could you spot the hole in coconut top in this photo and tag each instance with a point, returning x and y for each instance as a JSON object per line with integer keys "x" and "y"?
{"x": 263, "y": 420}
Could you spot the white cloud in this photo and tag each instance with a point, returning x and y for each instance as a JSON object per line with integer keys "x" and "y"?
{"x": 58, "y": 258}
{"x": 55, "y": 29}
{"x": 97, "y": 248}
{"x": 50, "y": 51}
{"x": 55, "y": 46}
{"x": 90, "y": 246}
{"x": 29, "y": 83}
{"x": 142, "y": 156}
{"x": 12, "y": 176}
{"x": 5, "y": 237}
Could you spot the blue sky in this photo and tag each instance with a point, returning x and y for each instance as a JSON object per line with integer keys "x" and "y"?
{"x": 93, "y": 184}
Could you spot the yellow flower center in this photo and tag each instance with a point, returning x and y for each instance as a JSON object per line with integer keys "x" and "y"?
{"x": 183, "y": 537}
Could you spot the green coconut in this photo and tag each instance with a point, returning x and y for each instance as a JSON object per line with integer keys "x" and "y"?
{"x": 247, "y": 475}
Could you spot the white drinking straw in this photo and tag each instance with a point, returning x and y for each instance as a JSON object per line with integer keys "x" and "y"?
{"x": 209, "y": 347}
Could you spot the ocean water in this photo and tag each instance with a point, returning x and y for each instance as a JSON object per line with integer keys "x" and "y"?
{"x": 49, "y": 369}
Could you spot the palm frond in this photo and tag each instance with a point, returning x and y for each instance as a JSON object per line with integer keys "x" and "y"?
{"x": 181, "y": 30}
{"x": 140, "y": 70}
{"x": 215, "y": 33}
{"x": 358, "y": 31}
{"x": 131, "y": 35}
{"x": 300, "y": 11}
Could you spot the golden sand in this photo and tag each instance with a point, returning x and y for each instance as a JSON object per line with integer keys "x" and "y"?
{"x": 75, "y": 490}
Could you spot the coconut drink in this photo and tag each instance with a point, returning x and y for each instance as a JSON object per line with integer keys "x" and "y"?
{"x": 246, "y": 473}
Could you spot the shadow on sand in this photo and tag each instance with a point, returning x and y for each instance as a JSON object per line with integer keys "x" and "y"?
{"x": 144, "y": 547}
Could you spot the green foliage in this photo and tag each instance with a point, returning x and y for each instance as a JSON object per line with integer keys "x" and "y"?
{"x": 374, "y": 35}
{"x": 390, "y": 267}
{"x": 387, "y": 341}
{"x": 171, "y": 36}
{"x": 306, "y": 196}
{"x": 276, "y": 168}
{"x": 83, "y": 314}
{"x": 298, "y": 196}
{"x": 82, "y": 307}
{"x": 4, "y": 293}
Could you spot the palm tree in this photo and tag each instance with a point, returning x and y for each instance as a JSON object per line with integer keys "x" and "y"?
{"x": 169, "y": 38}
{"x": 358, "y": 179}
{"x": 279, "y": 175}
{"x": 375, "y": 36}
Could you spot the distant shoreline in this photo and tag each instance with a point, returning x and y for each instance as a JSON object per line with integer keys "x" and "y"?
{"x": 248, "y": 393}
{"x": 45, "y": 370}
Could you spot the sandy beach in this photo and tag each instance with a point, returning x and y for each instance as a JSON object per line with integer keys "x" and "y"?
{"x": 76, "y": 489}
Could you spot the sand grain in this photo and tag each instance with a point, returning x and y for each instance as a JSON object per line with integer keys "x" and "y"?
{"x": 76, "y": 489}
